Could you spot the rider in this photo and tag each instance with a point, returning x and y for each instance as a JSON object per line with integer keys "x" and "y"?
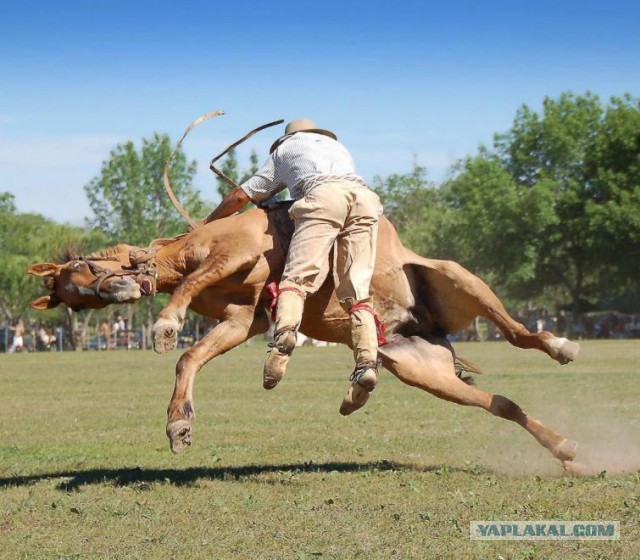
{"x": 333, "y": 207}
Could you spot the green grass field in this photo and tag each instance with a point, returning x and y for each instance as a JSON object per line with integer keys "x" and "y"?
{"x": 86, "y": 472}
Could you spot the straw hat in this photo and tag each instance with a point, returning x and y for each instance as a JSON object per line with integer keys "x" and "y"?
{"x": 301, "y": 125}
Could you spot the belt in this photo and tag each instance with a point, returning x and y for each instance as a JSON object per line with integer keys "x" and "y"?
{"x": 316, "y": 180}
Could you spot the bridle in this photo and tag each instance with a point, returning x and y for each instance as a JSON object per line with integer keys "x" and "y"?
{"x": 143, "y": 266}
{"x": 100, "y": 273}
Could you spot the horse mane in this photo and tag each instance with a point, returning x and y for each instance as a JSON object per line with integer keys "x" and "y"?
{"x": 72, "y": 253}
{"x": 111, "y": 251}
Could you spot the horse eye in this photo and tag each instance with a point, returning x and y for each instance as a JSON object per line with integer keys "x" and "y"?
{"x": 77, "y": 265}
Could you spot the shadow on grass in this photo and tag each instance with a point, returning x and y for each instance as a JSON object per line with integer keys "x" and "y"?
{"x": 185, "y": 477}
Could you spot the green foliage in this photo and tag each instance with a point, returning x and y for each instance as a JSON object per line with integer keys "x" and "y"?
{"x": 24, "y": 240}
{"x": 493, "y": 224}
{"x": 412, "y": 205}
{"x": 7, "y": 204}
{"x": 128, "y": 198}
{"x": 555, "y": 207}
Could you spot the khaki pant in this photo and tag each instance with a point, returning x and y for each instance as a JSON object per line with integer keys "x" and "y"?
{"x": 343, "y": 215}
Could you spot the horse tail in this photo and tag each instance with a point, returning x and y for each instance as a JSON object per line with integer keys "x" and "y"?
{"x": 462, "y": 367}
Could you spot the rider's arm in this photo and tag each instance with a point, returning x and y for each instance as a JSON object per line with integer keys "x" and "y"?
{"x": 256, "y": 189}
{"x": 234, "y": 201}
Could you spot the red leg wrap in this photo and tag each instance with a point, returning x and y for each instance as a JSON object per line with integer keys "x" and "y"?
{"x": 380, "y": 326}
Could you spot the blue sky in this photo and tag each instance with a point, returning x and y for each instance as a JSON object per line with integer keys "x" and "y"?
{"x": 395, "y": 80}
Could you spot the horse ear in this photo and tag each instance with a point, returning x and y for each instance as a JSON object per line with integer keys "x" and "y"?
{"x": 46, "y": 302}
{"x": 43, "y": 269}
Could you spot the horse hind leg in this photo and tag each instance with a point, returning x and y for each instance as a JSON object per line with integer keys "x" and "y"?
{"x": 468, "y": 296}
{"x": 430, "y": 367}
{"x": 558, "y": 348}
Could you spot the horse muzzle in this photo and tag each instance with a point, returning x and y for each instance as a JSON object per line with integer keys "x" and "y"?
{"x": 121, "y": 290}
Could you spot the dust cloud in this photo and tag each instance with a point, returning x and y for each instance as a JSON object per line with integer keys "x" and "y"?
{"x": 608, "y": 436}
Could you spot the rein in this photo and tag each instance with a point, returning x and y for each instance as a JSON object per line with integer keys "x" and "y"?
{"x": 228, "y": 180}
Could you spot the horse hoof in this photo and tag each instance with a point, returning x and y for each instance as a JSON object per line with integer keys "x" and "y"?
{"x": 274, "y": 368}
{"x": 566, "y": 451}
{"x": 568, "y": 352}
{"x": 359, "y": 392}
{"x": 564, "y": 351}
{"x": 165, "y": 335}
{"x": 179, "y": 434}
{"x": 577, "y": 469}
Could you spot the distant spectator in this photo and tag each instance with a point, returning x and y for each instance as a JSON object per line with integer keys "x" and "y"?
{"x": 43, "y": 342}
{"x": 18, "y": 340}
{"x": 119, "y": 325}
{"x": 104, "y": 332}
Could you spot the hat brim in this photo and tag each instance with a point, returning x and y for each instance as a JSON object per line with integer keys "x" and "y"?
{"x": 280, "y": 140}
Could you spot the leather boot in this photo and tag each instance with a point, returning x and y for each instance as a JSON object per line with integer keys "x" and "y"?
{"x": 288, "y": 317}
{"x": 278, "y": 357}
{"x": 364, "y": 378}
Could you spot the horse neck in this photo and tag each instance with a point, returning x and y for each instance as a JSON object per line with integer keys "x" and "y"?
{"x": 170, "y": 266}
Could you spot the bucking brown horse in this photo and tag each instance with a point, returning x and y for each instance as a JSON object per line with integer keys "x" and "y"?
{"x": 222, "y": 270}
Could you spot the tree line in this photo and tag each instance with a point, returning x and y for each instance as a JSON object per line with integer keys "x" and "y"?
{"x": 548, "y": 215}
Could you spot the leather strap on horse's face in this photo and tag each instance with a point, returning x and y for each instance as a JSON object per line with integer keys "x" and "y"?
{"x": 146, "y": 270}
{"x": 144, "y": 260}
{"x": 99, "y": 272}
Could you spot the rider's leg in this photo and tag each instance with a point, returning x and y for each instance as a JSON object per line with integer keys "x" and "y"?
{"x": 364, "y": 339}
{"x": 288, "y": 316}
{"x": 318, "y": 219}
{"x": 355, "y": 261}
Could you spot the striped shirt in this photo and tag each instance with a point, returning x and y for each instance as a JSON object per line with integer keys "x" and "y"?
{"x": 303, "y": 161}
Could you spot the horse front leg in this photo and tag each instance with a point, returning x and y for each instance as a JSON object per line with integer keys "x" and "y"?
{"x": 430, "y": 367}
{"x": 238, "y": 327}
{"x": 171, "y": 319}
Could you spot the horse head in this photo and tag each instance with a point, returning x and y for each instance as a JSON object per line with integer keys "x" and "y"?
{"x": 95, "y": 281}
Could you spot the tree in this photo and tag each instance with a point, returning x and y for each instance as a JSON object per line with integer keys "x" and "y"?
{"x": 130, "y": 204}
{"x": 554, "y": 208}
{"x": 29, "y": 238}
{"x": 128, "y": 198}
{"x": 412, "y": 205}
